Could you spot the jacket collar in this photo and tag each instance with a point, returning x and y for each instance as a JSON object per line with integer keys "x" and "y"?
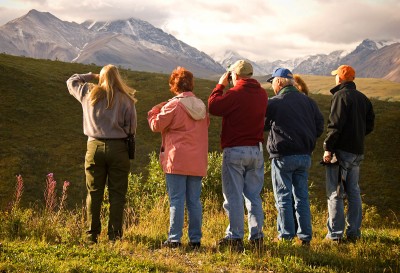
{"x": 248, "y": 82}
{"x": 344, "y": 85}
{"x": 287, "y": 89}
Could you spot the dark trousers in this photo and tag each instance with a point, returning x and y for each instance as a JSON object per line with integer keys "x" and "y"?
{"x": 106, "y": 162}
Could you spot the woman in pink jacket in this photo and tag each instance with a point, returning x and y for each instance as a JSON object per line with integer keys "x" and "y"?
{"x": 183, "y": 122}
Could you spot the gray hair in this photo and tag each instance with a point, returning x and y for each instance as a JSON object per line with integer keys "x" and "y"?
{"x": 286, "y": 81}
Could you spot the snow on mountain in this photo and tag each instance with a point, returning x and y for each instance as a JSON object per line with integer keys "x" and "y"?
{"x": 131, "y": 43}
{"x": 370, "y": 59}
{"x": 138, "y": 45}
{"x": 229, "y": 57}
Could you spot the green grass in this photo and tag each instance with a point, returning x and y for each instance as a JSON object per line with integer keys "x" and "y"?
{"x": 41, "y": 131}
{"x": 54, "y": 242}
{"x": 34, "y": 238}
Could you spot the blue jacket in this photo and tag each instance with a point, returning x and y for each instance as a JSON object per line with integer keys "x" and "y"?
{"x": 294, "y": 122}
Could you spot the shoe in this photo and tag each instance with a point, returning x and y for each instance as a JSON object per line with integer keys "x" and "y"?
{"x": 170, "y": 244}
{"x": 281, "y": 240}
{"x": 305, "y": 243}
{"x": 335, "y": 240}
{"x": 352, "y": 239}
{"x": 233, "y": 244}
{"x": 194, "y": 245}
{"x": 257, "y": 243}
{"x": 91, "y": 239}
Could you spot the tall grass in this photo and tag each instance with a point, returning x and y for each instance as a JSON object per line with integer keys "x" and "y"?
{"x": 49, "y": 238}
{"x": 41, "y": 132}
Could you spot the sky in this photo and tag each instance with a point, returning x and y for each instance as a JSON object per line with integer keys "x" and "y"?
{"x": 256, "y": 29}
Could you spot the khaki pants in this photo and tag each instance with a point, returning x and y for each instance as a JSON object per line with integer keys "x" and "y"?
{"x": 106, "y": 162}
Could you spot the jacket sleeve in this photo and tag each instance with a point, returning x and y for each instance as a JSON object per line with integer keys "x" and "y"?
{"x": 78, "y": 86}
{"x": 160, "y": 119}
{"x": 220, "y": 104}
{"x": 133, "y": 119}
{"x": 319, "y": 120}
{"x": 370, "y": 120}
{"x": 337, "y": 119}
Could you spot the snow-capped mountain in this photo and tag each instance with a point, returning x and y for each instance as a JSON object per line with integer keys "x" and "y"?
{"x": 131, "y": 43}
{"x": 229, "y": 57}
{"x": 138, "y": 45}
{"x": 371, "y": 59}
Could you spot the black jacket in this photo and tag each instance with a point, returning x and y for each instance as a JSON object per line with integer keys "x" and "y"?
{"x": 294, "y": 121}
{"x": 350, "y": 120}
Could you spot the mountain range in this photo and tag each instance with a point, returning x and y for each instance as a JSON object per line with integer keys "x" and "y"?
{"x": 136, "y": 44}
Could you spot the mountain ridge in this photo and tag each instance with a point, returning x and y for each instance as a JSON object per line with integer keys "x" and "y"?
{"x": 136, "y": 44}
{"x": 132, "y": 43}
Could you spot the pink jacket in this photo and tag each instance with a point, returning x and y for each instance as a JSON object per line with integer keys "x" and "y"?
{"x": 183, "y": 123}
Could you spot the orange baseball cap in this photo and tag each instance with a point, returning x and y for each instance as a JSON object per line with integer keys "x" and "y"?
{"x": 345, "y": 73}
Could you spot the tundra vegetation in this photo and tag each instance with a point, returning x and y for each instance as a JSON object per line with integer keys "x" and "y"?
{"x": 42, "y": 191}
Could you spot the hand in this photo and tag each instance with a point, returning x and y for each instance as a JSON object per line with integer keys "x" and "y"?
{"x": 327, "y": 157}
{"x": 224, "y": 79}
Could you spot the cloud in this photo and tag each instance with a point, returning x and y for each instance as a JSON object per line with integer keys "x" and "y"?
{"x": 352, "y": 21}
{"x": 256, "y": 29}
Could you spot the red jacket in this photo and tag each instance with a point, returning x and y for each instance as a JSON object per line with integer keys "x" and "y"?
{"x": 243, "y": 109}
{"x": 183, "y": 123}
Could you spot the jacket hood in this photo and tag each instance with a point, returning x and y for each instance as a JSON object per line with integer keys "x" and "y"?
{"x": 193, "y": 105}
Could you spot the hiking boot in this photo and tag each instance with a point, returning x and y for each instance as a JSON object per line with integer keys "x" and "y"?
{"x": 233, "y": 244}
{"x": 171, "y": 244}
{"x": 257, "y": 243}
{"x": 305, "y": 243}
{"x": 335, "y": 240}
{"x": 91, "y": 239}
{"x": 194, "y": 245}
{"x": 352, "y": 239}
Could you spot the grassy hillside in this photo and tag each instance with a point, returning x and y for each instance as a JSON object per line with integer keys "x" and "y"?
{"x": 41, "y": 131}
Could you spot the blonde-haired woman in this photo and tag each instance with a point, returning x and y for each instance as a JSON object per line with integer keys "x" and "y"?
{"x": 183, "y": 123}
{"x": 109, "y": 114}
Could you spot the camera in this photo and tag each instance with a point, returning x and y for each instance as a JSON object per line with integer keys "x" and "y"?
{"x": 229, "y": 76}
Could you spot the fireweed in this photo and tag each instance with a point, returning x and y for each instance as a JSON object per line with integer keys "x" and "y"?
{"x": 19, "y": 189}
{"x": 50, "y": 193}
{"x": 63, "y": 197}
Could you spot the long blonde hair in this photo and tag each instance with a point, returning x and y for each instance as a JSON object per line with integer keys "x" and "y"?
{"x": 110, "y": 81}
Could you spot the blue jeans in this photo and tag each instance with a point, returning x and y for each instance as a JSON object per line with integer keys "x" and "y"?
{"x": 337, "y": 191}
{"x": 243, "y": 179}
{"x": 290, "y": 183}
{"x": 181, "y": 188}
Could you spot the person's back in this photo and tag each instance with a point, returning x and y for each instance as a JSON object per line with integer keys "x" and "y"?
{"x": 294, "y": 123}
{"x": 242, "y": 112}
{"x": 351, "y": 120}
{"x": 242, "y": 109}
{"x": 109, "y": 115}
{"x": 183, "y": 123}
{"x": 294, "y": 129}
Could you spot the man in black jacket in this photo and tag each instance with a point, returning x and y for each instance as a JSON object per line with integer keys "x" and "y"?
{"x": 350, "y": 120}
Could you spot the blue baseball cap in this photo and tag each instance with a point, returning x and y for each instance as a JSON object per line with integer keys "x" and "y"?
{"x": 281, "y": 72}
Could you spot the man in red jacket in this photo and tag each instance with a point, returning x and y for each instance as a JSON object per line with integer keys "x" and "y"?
{"x": 242, "y": 109}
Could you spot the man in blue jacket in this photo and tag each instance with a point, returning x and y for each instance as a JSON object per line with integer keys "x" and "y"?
{"x": 294, "y": 122}
{"x": 350, "y": 120}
